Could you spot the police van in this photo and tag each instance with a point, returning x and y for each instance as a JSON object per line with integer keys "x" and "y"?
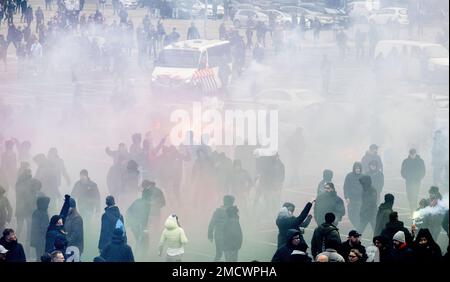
{"x": 191, "y": 65}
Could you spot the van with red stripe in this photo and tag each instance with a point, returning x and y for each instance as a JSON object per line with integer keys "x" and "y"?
{"x": 191, "y": 65}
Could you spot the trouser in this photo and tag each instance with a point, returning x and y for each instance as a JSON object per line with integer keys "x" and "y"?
{"x": 231, "y": 256}
{"x": 412, "y": 191}
{"x": 219, "y": 249}
{"x": 354, "y": 207}
{"x": 364, "y": 222}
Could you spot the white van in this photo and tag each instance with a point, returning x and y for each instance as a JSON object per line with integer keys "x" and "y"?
{"x": 191, "y": 65}
{"x": 433, "y": 57}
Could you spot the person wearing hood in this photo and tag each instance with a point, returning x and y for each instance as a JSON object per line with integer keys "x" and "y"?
{"x": 15, "y": 250}
{"x": 216, "y": 227}
{"x": 329, "y": 202}
{"x": 353, "y": 193}
{"x": 393, "y": 226}
{"x": 74, "y": 227}
{"x": 286, "y": 220}
{"x": 401, "y": 251}
{"x": 324, "y": 232}
{"x": 293, "y": 241}
{"x": 331, "y": 251}
{"x": 327, "y": 177}
{"x": 117, "y": 250}
{"x": 85, "y": 192}
{"x": 353, "y": 242}
{"x": 39, "y": 224}
{"x": 111, "y": 219}
{"x": 55, "y": 232}
{"x": 413, "y": 171}
{"x": 384, "y": 210}
{"x": 377, "y": 177}
{"x": 174, "y": 237}
{"x": 157, "y": 202}
{"x": 232, "y": 235}
{"x": 384, "y": 248}
{"x": 26, "y": 193}
{"x": 5, "y": 209}
{"x": 425, "y": 248}
{"x": 371, "y": 156}
{"x": 48, "y": 177}
{"x": 137, "y": 218}
{"x": 369, "y": 204}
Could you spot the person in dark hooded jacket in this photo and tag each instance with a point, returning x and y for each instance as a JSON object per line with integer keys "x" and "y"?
{"x": 384, "y": 210}
{"x": 413, "y": 171}
{"x": 353, "y": 193}
{"x": 325, "y": 231}
{"x": 293, "y": 240}
{"x": 109, "y": 222}
{"x": 48, "y": 177}
{"x": 26, "y": 194}
{"x": 232, "y": 235}
{"x": 86, "y": 193}
{"x": 425, "y": 248}
{"x": 286, "y": 220}
{"x": 39, "y": 224}
{"x": 377, "y": 177}
{"x": 137, "y": 218}
{"x": 327, "y": 202}
{"x": 384, "y": 248}
{"x": 326, "y": 178}
{"x": 217, "y": 224}
{"x": 393, "y": 226}
{"x": 371, "y": 156}
{"x": 74, "y": 227}
{"x": 369, "y": 204}
{"x": 55, "y": 232}
{"x": 15, "y": 250}
{"x": 117, "y": 250}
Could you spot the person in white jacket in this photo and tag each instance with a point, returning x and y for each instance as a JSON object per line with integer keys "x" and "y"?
{"x": 174, "y": 237}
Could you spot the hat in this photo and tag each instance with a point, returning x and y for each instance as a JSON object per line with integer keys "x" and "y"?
{"x": 3, "y": 250}
{"x": 433, "y": 190}
{"x": 354, "y": 233}
{"x": 399, "y": 236}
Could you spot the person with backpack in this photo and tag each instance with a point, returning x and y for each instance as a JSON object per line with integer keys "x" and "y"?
{"x": 111, "y": 220}
{"x": 325, "y": 231}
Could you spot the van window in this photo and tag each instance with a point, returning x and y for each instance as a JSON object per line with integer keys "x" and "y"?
{"x": 174, "y": 58}
{"x": 436, "y": 52}
{"x": 216, "y": 53}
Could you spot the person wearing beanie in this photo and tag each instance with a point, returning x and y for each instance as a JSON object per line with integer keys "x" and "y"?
{"x": 413, "y": 171}
{"x": 384, "y": 210}
{"x": 327, "y": 202}
{"x": 87, "y": 195}
{"x": 327, "y": 177}
{"x": 393, "y": 226}
{"x": 74, "y": 227}
{"x": 325, "y": 231}
{"x": 401, "y": 251}
{"x": 217, "y": 224}
{"x": 286, "y": 220}
{"x": 117, "y": 250}
{"x": 174, "y": 237}
{"x": 111, "y": 219}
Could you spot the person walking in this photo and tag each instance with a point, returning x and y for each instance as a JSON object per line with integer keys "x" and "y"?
{"x": 413, "y": 171}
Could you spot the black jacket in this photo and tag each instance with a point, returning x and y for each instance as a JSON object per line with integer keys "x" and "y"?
{"x": 285, "y": 223}
{"x": 377, "y": 180}
{"x": 39, "y": 223}
{"x": 393, "y": 227}
{"x": 328, "y": 202}
{"x": 413, "y": 170}
{"x": 403, "y": 255}
{"x": 429, "y": 253}
{"x": 216, "y": 225}
{"x": 87, "y": 196}
{"x": 117, "y": 251}
{"x": 15, "y": 251}
{"x": 283, "y": 254}
{"x": 369, "y": 199}
{"x": 232, "y": 234}
{"x": 109, "y": 220}
{"x": 74, "y": 229}
{"x": 321, "y": 234}
{"x": 352, "y": 186}
{"x": 384, "y": 210}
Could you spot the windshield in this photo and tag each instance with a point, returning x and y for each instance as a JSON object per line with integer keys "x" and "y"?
{"x": 178, "y": 59}
{"x": 436, "y": 52}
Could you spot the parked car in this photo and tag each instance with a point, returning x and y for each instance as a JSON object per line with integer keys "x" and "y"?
{"x": 280, "y": 17}
{"x": 311, "y": 15}
{"x": 242, "y": 17}
{"x": 359, "y": 11}
{"x": 198, "y": 9}
{"x": 390, "y": 15}
{"x": 130, "y": 4}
